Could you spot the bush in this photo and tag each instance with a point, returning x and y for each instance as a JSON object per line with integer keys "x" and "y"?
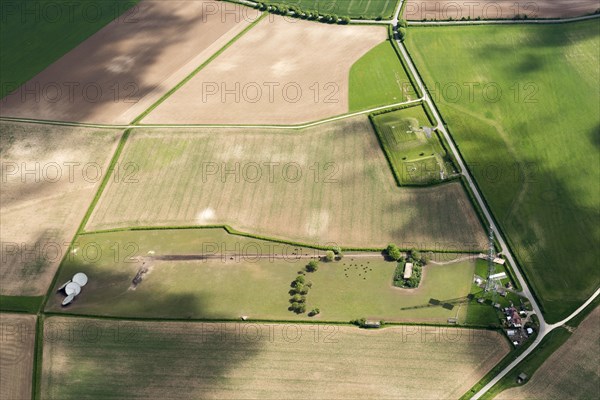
{"x": 393, "y": 252}
{"x": 402, "y": 23}
{"x": 329, "y": 256}
{"x": 344, "y": 21}
{"x": 314, "y": 312}
{"x": 402, "y": 33}
{"x": 312, "y": 266}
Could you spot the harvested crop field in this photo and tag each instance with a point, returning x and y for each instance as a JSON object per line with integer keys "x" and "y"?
{"x": 17, "y": 345}
{"x": 49, "y": 177}
{"x": 329, "y": 183}
{"x": 282, "y": 71}
{"x": 571, "y": 372}
{"x": 417, "y": 10}
{"x": 121, "y": 70}
{"x": 274, "y": 361}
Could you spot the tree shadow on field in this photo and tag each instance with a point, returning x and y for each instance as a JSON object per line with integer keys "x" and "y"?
{"x": 110, "y": 292}
{"x": 103, "y": 71}
{"x": 595, "y": 137}
{"x": 551, "y": 37}
{"x": 110, "y": 359}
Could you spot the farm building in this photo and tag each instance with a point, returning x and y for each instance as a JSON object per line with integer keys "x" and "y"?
{"x": 372, "y": 324}
{"x": 408, "y": 270}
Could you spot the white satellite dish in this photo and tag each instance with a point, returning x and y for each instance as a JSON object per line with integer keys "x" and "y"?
{"x": 80, "y": 278}
{"x": 68, "y": 299}
{"x": 72, "y": 289}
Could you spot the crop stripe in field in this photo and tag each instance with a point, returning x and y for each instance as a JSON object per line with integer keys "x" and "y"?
{"x": 195, "y": 72}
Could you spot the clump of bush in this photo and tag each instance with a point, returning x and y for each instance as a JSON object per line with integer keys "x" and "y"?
{"x": 300, "y": 288}
{"x": 312, "y": 266}
{"x": 418, "y": 261}
{"x": 393, "y": 252}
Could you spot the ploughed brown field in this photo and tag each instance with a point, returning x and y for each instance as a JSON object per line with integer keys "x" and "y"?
{"x": 120, "y": 71}
{"x": 282, "y": 71}
{"x": 17, "y": 345}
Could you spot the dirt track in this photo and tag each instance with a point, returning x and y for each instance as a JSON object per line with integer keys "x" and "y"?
{"x": 417, "y": 10}
{"x": 120, "y": 71}
{"x": 283, "y": 71}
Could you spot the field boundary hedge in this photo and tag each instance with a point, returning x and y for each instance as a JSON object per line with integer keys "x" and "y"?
{"x": 233, "y": 231}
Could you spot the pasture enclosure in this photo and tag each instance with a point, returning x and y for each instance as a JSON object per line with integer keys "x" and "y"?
{"x": 117, "y": 73}
{"x": 207, "y": 273}
{"x": 17, "y": 344}
{"x": 269, "y": 361}
{"x": 328, "y": 183}
{"x": 282, "y": 71}
{"x": 527, "y": 126}
{"x": 412, "y": 146}
{"x": 49, "y": 176}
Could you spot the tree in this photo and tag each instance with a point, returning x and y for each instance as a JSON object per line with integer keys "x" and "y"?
{"x": 345, "y": 20}
{"x": 393, "y": 252}
{"x": 401, "y": 33}
{"x": 329, "y": 256}
{"x": 314, "y": 312}
{"x": 415, "y": 254}
{"x": 312, "y": 266}
{"x": 402, "y": 23}
{"x": 299, "y": 281}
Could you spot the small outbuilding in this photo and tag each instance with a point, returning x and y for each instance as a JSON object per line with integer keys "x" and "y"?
{"x": 408, "y": 267}
{"x": 372, "y": 324}
{"x": 522, "y": 377}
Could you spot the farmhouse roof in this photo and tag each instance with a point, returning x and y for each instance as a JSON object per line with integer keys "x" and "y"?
{"x": 408, "y": 270}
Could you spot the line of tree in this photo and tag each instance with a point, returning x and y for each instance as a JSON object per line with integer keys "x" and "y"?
{"x": 300, "y": 288}
{"x": 297, "y": 12}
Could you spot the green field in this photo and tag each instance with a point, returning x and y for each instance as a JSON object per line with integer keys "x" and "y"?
{"x": 109, "y": 359}
{"x": 48, "y": 29}
{"x": 238, "y": 282}
{"x": 362, "y": 9}
{"x": 378, "y": 78}
{"x": 412, "y": 146}
{"x": 534, "y": 149}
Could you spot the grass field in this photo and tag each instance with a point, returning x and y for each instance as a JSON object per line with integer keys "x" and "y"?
{"x": 578, "y": 376}
{"x": 49, "y": 176}
{"x": 417, "y": 155}
{"x": 329, "y": 183}
{"x": 48, "y": 29}
{"x": 534, "y": 148}
{"x": 249, "y": 361}
{"x": 249, "y": 277}
{"x": 378, "y": 78}
{"x": 364, "y": 9}
{"x": 17, "y": 342}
